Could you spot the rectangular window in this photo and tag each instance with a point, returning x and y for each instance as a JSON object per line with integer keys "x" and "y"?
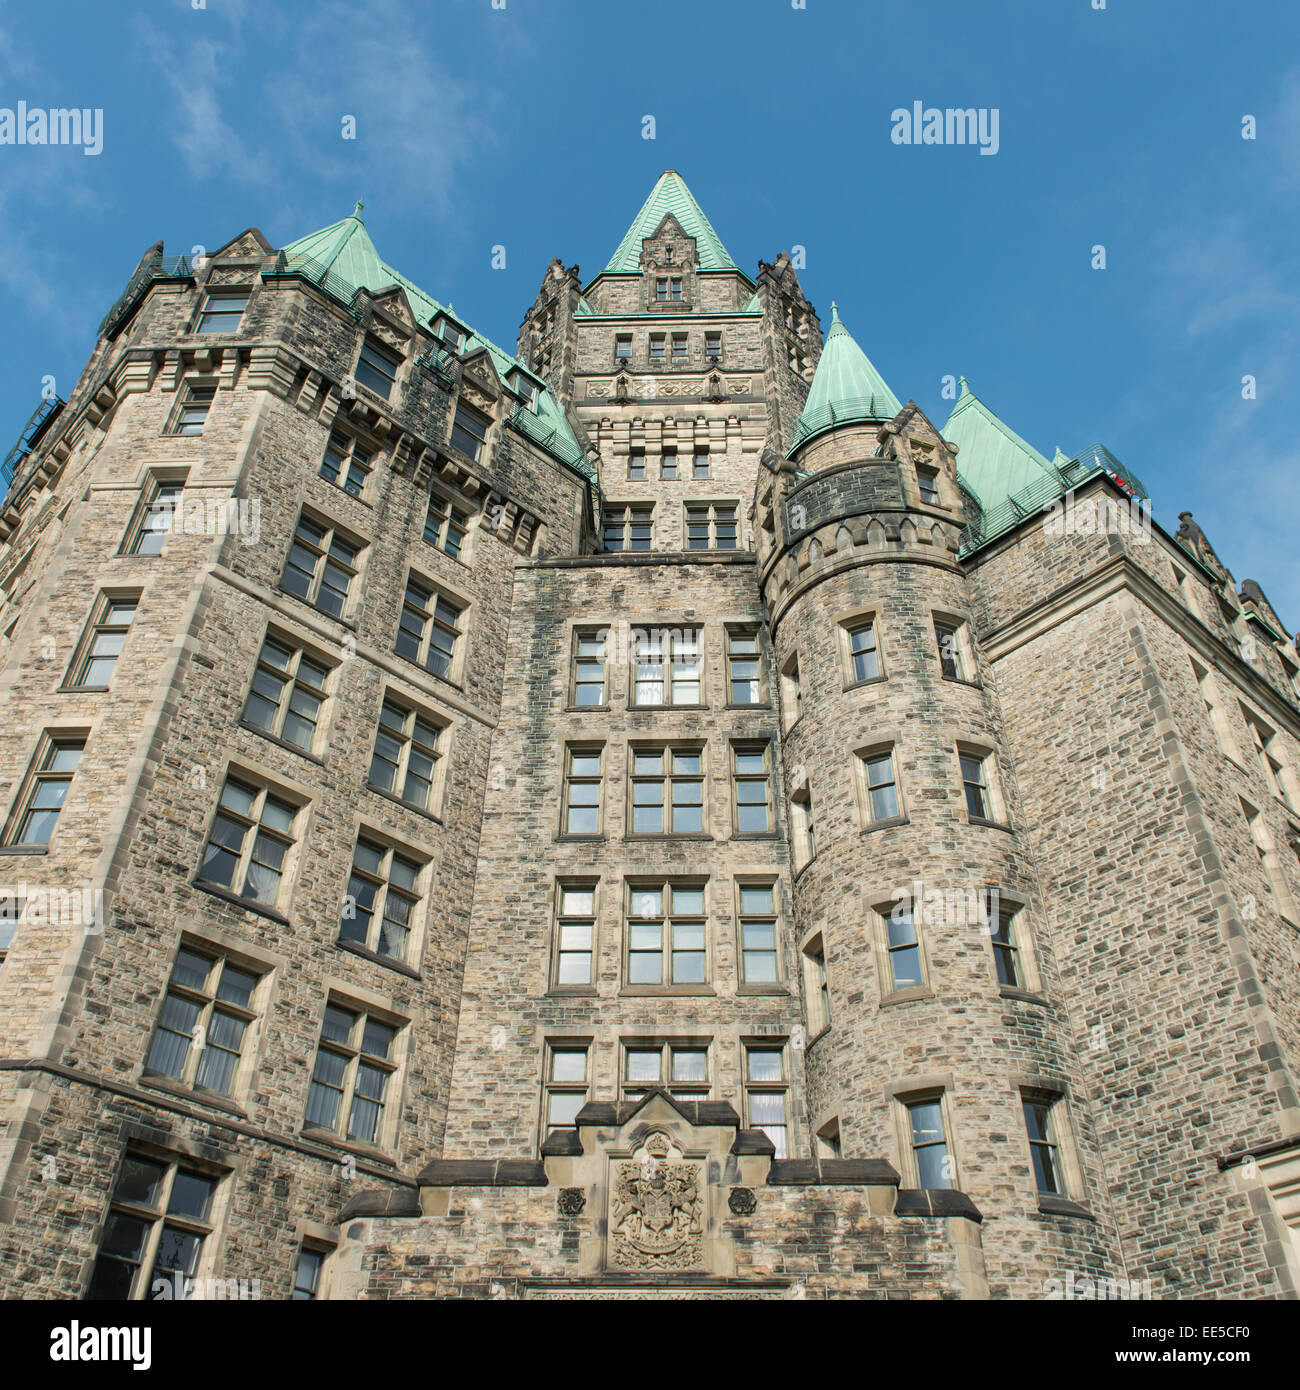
{"x": 157, "y": 1225}
{"x": 154, "y": 521}
{"x": 566, "y": 1086}
{"x": 863, "y": 651}
{"x": 307, "y": 1274}
{"x": 635, "y": 470}
{"x": 406, "y": 754}
{"x": 712, "y": 344}
{"x": 975, "y": 783}
{"x": 668, "y": 666}
{"x": 710, "y": 526}
{"x": 927, "y": 482}
{"x": 445, "y": 525}
{"x": 668, "y": 465}
{"x": 665, "y": 934}
{"x": 469, "y": 432}
{"x": 627, "y": 525}
{"x": 575, "y": 933}
{"x": 881, "y": 780}
{"x": 102, "y": 643}
{"x": 679, "y": 348}
{"x": 1268, "y": 752}
{"x": 791, "y": 696}
{"x": 700, "y": 464}
{"x": 383, "y": 895}
{"x": 249, "y": 842}
{"x": 582, "y": 781}
{"x": 744, "y": 670}
{"x": 661, "y": 289}
{"x": 1006, "y": 948}
{"x": 346, "y": 464}
{"x": 287, "y": 694}
{"x": 1209, "y": 691}
{"x": 589, "y": 668}
{"x": 751, "y": 777}
{"x": 828, "y": 1140}
{"x": 1041, "y": 1128}
{"x": 1269, "y": 862}
{"x": 929, "y": 1144}
{"x": 902, "y": 947}
{"x": 675, "y": 289}
{"x": 46, "y": 789}
{"x": 952, "y": 661}
{"x": 816, "y": 988}
{"x": 526, "y": 391}
{"x": 765, "y": 1094}
{"x": 207, "y": 1013}
{"x": 429, "y": 629}
{"x": 682, "y": 1069}
{"x": 758, "y": 958}
{"x": 194, "y": 407}
{"x": 667, "y": 791}
{"x": 805, "y": 832}
{"x": 452, "y": 338}
{"x": 377, "y": 368}
{"x": 350, "y": 1078}
{"x": 222, "y": 311}
{"x": 623, "y": 347}
{"x": 657, "y": 349}
{"x": 321, "y": 566}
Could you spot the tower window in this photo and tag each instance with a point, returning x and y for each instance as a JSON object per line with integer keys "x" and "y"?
{"x": 636, "y": 465}
{"x": 927, "y": 482}
{"x": 193, "y": 413}
{"x": 881, "y": 779}
{"x": 41, "y": 800}
{"x": 222, "y": 311}
{"x": 929, "y": 1144}
{"x": 657, "y": 347}
{"x": 700, "y": 463}
{"x": 976, "y": 776}
{"x": 679, "y": 348}
{"x": 668, "y": 464}
{"x": 346, "y": 464}
{"x": 713, "y": 345}
{"x": 816, "y": 990}
{"x": 1006, "y": 948}
{"x": 902, "y": 947}
{"x": 1041, "y": 1127}
{"x": 623, "y": 348}
{"x": 103, "y": 641}
{"x": 864, "y": 652}
{"x": 377, "y": 368}
{"x": 155, "y": 518}
{"x": 949, "y": 638}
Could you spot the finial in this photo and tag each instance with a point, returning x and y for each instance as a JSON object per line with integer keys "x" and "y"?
{"x": 965, "y": 387}
{"x": 835, "y": 312}
{"x": 356, "y": 210}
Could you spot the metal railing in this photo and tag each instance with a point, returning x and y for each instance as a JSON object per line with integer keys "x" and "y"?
{"x": 869, "y": 408}
{"x": 157, "y": 267}
{"x": 558, "y": 443}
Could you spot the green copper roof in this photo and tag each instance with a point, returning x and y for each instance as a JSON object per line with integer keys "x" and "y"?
{"x": 670, "y": 194}
{"x": 845, "y": 387}
{"x": 344, "y": 252}
{"x": 993, "y": 461}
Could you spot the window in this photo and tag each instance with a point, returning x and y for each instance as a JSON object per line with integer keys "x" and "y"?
{"x": 744, "y": 671}
{"x": 222, "y": 311}
{"x": 452, "y": 338}
{"x": 207, "y": 1012}
{"x": 1277, "y": 776}
{"x": 675, "y": 289}
{"x": 1006, "y": 947}
{"x": 679, "y": 348}
{"x": 45, "y": 791}
{"x": 582, "y": 777}
{"x": 1186, "y": 591}
{"x": 157, "y": 1224}
{"x": 758, "y": 958}
{"x": 700, "y": 464}
{"x": 469, "y": 432}
{"x": 377, "y": 368}
{"x": 346, "y": 463}
{"x": 668, "y": 464}
{"x": 406, "y": 754}
{"x": 349, "y": 1081}
{"x": 287, "y": 694}
{"x": 791, "y": 697}
{"x": 682, "y": 1070}
{"x": 881, "y": 780}
{"x": 975, "y": 783}
{"x": 575, "y": 933}
{"x": 765, "y": 1094}
{"x": 383, "y": 894}
{"x": 667, "y": 666}
{"x": 665, "y": 934}
{"x": 11, "y": 909}
{"x": 249, "y": 842}
{"x": 1269, "y": 862}
{"x": 710, "y": 526}
{"x": 526, "y": 391}
{"x": 712, "y": 344}
{"x": 751, "y": 779}
{"x": 627, "y": 525}
{"x": 667, "y": 791}
{"x": 661, "y": 289}
{"x": 321, "y": 566}
{"x": 902, "y": 948}
{"x": 1214, "y": 708}
{"x": 952, "y": 660}
{"x": 445, "y": 525}
{"x": 566, "y": 1086}
{"x": 635, "y": 471}
{"x": 1041, "y": 1128}
{"x": 307, "y": 1273}
{"x": 429, "y": 629}
{"x": 103, "y": 641}
{"x": 589, "y": 668}
{"x": 828, "y": 1140}
{"x": 816, "y": 990}
{"x": 927, "y": 482}
{"x": 623, "y": 348}
{"x": 154, "y": 520}
{"x": 805, "y": 833}
{"x": 193, "y": 412}
{"x": 930, "y": 1158}
{"x": 657, "y": 349}
{"x": 864, "y": 652}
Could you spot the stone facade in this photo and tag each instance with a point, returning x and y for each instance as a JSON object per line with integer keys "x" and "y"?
{"x": 642, "y": 1019}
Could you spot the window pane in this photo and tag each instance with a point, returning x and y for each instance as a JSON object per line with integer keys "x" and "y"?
{"x": 569, "y": 1064}
{"x": 763, "y": 1064}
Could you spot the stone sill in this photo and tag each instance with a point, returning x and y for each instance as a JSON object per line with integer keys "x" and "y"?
{"x": 1050, "y": 1205}
{"x": 870, "y": 680}
{"x": 959, "y": 680}
{"x": 409, "y": 805}
{"x": 24, "y": 849}
{"x": 912, "y": 995}
{"x": 990, "y": 824}
{"x": 196, "y": 1094}
{"x": 892, "y": 823}
{"x": 82, "y": 690}
{"x": 237, "y": 900}
{"x": 667, "y": 992}
{"x": 357, "y": 949}
{"x": 336, "y": 1141}
{"x": 751, "y": 704}
{"x": 1026, "y": 996}
{"x": 282, "y": 743}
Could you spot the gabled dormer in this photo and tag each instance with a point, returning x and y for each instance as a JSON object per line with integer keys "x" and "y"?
{"x": 668, "y": 266}
{"x": 451, "y": 332}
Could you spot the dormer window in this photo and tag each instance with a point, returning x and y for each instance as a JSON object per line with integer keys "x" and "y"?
{"x": 668, "y": 289}
{"x": 623, "y": 347}
{"x": 453, "y": 340}
{"x": 525, "y": 390}
{"x": 377, "y": 368}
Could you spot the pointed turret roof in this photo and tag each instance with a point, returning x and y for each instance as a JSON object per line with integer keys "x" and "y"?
{"x": 670, "y": 195}
{"x": 993, "y": 460}
{"x": 845, "y": 387}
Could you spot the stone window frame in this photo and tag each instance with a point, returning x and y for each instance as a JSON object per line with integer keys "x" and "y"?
{"x": 455, "y": 517}
{"x": 1055, "y": 1095}
{"x": 525, "y": 388}
{"x": 906, "y": 1095}
{"x": 1212, "y": 701}
{"x": 451, "y": 334}
{"x": 701, "y": 473}
{"x": 658, "y": 358}
{"x": 1015, "y": 909}
{"x": 636, "y": 466}
{"x": 791, "y": 692}
{"x": 394, "y": 1068}
{"x": 669, "y": 473}
{"x": 299, "y": 651}
{"x": 552, "y": 1087}
{"x": 413, "y": 712}
{"x": 41, "y": 771}
{"x": 252, "y": 1015}
{"x": 583, "y": 748}
{"x": 324, "y": 556}
{"x": 828, "y": 1138}
{"x": 986, "y": 755}
{"x": 846, "y": 624}
{"x": 473, "y": 415}
{"x": 590, "y": 634}
{"x": 881, "y": 911}
{"x": 749, "y": 1044}
{"x": 667, "y": 777}
{"x": 963, "y": 644}
{"x": 803, "y": 828}
{"x": 192, "y": 393}
{"x": 679, "y": 339}
{"x": 154, "y": 484}
{"x": 385, "y": 352}
{"x": 931, "y": 472}
{"x": 419, "y": 894}
{"x": 745, "y": 631}
{"x": 816, "y": 983}
{"x": 97, "y": 625}
{"x": 771, "y": 882}
{"x": 630, "y": 514}
{"x": 1275, "y": 769}
{"x": 215, "y": 293}
{"x": 1270, "y": 861}
{"x": 714, "y": 507}
{"x": 662, "y": 638}
{"x": 886, "y": 743}
{"x": 320, "y": 1250}
{"x": 439, "y": 598}
{"x": 669, "y": 1049}
{"x": 563, "y": 885}
{"x": 355, "y": 463}
{"x": 668, "y": 918}
{"x": 720, "y": 336}
{"x": 735, "y": 748}
{"x": 619, "y": 340}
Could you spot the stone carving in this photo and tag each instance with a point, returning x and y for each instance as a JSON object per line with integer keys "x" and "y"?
{"x": 742, "y": 1201}
{"x": 571, "y": 1201}
{"x": 656, "y": 1209}
{"x": 1192, "y": 538}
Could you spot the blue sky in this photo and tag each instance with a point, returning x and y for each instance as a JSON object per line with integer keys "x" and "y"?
{"x": 522, "y": 127}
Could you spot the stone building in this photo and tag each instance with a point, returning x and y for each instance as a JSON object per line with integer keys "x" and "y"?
{"x": 652, "y": 815}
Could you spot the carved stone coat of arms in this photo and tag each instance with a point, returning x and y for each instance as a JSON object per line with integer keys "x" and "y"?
{"x": 656, "y": 1210}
